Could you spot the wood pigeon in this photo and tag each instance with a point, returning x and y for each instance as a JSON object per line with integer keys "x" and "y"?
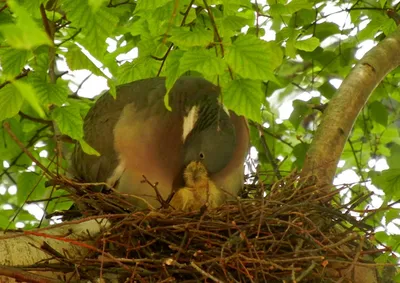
{"x": 138, "y": 136}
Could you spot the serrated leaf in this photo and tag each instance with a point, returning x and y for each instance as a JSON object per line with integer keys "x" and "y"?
{"x": 140, "y": 68}
{"x": 10, "y": 101}
{"x": 112, "y": 88}
{"x": 297, "y": 5}
{"x": 12, "y": 61}
{"x": 393, "y": 159}
{"x": 25, "y": 33}
{"x": 77, "y": 60}
{"x": 95, "y": 25}
{"x": 324, "y": 30}
{"x": 30, "y": 184}
{"x": 378, "y": 113}
{"x": 392, "y": 214}
{"x": 96, "y": 4}
{"x": 253, "y": 58}
{"x": 32, "y": 6}
{"x": 202, "y": 61}
{"x": 245, "y": 97}
{"x": 151, "y": 4}
{"x": 87, "y": 148}
{"x": 69, "y": 121}
{"x": 308, "y": 44}
{"x": 234, "y": 22}
{"x": 28, "y": 92}
{"x": 186, "y": 38}
{"x": 49, "y": 93}
{"x": 172, "y": 68}
{"x": 388, "y": 181}
{"x": 278, "y": 10}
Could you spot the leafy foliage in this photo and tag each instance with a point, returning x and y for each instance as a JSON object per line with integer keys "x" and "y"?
{"x": 263, "y": 55}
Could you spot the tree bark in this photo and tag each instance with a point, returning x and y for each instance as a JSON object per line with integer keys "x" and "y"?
{"x": 342, "y": 111}
{"x": 26, "y": 248}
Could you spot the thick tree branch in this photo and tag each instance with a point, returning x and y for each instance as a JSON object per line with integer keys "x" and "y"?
{"x": 343, "y": 109}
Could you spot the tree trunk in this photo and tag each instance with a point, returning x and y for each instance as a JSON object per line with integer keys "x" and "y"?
{"x": 342, "y": 111}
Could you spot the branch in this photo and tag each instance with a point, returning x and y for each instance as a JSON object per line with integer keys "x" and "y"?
{"x": 38, "y": 120}
{"x": 6, "y": 126}
{"x": 23, "y": 74}
{"x": 342, "y": 111}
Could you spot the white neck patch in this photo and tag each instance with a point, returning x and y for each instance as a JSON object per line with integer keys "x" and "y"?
{"x": 189, "y": 121}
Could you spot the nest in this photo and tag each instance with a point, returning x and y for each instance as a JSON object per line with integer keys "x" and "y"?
{"x": 290, "y": 235}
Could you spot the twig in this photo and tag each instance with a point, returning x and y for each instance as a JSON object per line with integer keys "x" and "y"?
{"x": 208, "y": 275}
{"x": 23, "y": 74}
{"x": 6, "y": 126}
{"x": 38, "y": 120}
{"x": 24, "y": 276}
{"x": 268, "y": 153}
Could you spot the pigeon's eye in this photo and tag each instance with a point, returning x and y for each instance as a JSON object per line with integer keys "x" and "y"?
{"x": 201, "y": 155}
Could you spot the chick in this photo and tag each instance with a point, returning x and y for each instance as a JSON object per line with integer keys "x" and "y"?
{"x": 199, "y": 190}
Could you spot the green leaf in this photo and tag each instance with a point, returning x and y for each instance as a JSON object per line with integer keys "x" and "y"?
{"x": 49, "y": 93}
{"x": 186, "y": 38}
{"x": 69, "y": 121}
{"x": 235, "y": 23}
{"x": 172, "y": 68}
{"x": 30, "y": 184}
{"x": 327, "y": 90}
{"x": 324, "y": 30}
{"x": 28, "y": 92}
{"x": 87, "y": 148}
{"x": 299, "y": 112}
{"x": 25, "y": 33}
{"x": 151, "y": 4}
{"x": 253, "y": 58}
{"x": 300, "y": 151}
{"x": 140, "y": 68}
{"x": 77, "y": 60}
{"x": 245, "y": 97}
{"x": 96, "y": 25}
{"x": 308, "y": 44}
{"x": 13, "y": 61}
{"x": 96, "y": 4}
{"x": 4, "y": 219}
{"x": 378, "y": 113}
{"x": 10, "y": 101}
{"x": 112, "y": 86}
{"x": 202, "y": 61}
{"x": 297, "y": 5}
{"x": 391, "y": 215}
{"x": 393, "y": 159}
{"x": 388, "y": 181}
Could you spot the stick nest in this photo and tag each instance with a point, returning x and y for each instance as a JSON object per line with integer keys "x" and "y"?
{"x": 290, "y": 235}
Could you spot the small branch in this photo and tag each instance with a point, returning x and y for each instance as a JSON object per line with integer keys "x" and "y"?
{"x": 25, "y": 276}
{"x": 3, "y": 8}
{"x": 204, "y": 273}
{"x": 268, "y": 153}
{"x": 164, "y": 58}
{"x": 393, "y": 15}
{"x": 70, "y": 38}
{"x": 38, "y": 120}
{"x": 81, "y": 84}
{"x": 7, "y": 127}
{"x": 23, "y": 74}
{"x": 271, "y": 134}
{"x": 216, "y": 34}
